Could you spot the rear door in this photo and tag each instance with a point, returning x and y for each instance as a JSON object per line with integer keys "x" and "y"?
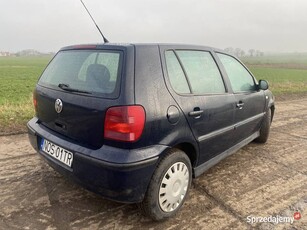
{"x": 75, "y": 90}
{"x": 250, "y": 102}
{"x": 198, "y": 87}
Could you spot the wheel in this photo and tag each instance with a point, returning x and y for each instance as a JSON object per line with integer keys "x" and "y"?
{"x": 265, "y": 128}
{"x": 168, "y": 187}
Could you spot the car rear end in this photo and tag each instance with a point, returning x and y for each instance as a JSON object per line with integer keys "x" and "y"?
{"x": 87, "y": 123}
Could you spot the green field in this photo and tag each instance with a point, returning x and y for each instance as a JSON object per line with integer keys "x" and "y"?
{"x": 18, "y": 76}
{"x": 283, "y": 81}
{"x": 287, "y": 75}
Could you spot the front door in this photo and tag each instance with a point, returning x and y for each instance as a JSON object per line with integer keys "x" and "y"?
{"x": 250, "y": 102}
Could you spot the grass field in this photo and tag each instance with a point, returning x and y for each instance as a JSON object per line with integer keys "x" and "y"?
{"x": 282, "y": 81}
{"x": 18, "y": 76}
{"x": 287, "y": 75}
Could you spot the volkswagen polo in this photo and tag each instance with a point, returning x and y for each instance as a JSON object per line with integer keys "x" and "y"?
{"x": 136, "y": 122}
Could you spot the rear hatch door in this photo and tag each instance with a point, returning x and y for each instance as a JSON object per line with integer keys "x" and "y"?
{"x": 76, "y": 89}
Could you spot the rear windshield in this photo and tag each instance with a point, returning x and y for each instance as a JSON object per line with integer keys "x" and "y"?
{"x": 85, "y": 71}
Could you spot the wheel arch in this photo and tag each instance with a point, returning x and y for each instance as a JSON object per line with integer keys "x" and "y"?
{"x": 189, "y": 149}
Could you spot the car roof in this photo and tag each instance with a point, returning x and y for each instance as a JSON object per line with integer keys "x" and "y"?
{"x": 125, "y": 45}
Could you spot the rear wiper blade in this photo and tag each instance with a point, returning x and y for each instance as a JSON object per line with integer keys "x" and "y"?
{"x": 66, "y": 87}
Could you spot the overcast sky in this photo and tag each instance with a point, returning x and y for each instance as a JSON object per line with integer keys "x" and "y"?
{"x": 47, "y": 25}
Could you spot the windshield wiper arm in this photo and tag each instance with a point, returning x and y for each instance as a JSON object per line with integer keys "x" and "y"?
{"x": 66, "y": 87}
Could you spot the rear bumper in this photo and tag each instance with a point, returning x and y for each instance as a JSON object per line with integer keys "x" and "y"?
{"x": 118, "y": 174}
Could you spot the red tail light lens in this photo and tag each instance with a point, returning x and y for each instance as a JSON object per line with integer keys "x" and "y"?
{"x": 34, "y": 100}
{"x": 124, "y": 123}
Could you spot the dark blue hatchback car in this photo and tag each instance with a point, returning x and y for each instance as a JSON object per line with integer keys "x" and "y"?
{"x": 135, "y": 122}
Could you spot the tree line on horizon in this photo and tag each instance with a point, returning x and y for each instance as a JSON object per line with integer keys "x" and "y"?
{"x": 241, "y": 53}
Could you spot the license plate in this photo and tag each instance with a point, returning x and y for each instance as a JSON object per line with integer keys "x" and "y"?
{"x": 57, "y": 152}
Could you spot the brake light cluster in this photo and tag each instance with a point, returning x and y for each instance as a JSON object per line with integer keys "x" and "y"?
{"x": 34, "y": 101}
{"x": 124, "y": 123}
{"x": 84, "y": 47}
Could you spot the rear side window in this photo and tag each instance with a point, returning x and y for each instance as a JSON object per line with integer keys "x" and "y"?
{"x": 195, "y": 70}
{"x": 96, "y": 72}
{"x": 241, "y": 80}
{"x": 176, "y": 74}
{"x": 202, "y": 71}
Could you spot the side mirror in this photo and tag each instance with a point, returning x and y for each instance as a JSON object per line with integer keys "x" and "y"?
{"x": 263, "y": 84}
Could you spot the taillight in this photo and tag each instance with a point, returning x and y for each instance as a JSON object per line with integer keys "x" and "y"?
{"x": 34, "y": 101}
{"x": 124, "y": 123}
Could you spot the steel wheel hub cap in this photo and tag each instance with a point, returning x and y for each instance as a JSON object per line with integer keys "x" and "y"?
{"x": 173, "y": 187}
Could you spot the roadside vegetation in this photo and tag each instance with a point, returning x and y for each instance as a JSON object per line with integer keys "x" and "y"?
{"x": 287, "y": 75}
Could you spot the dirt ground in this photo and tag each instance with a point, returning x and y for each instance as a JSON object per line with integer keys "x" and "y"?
{"x": 259, "y": 180}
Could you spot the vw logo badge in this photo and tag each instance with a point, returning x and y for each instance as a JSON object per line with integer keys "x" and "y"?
{"x": 58, "y": 105}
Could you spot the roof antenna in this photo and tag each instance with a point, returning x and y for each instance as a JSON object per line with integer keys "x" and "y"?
{"x": 104, "y": 38}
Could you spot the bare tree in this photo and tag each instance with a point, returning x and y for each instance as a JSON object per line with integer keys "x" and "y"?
{"x": 238, "y": 52}
{"x": 251, "y": 52}
{"x": 229, "y": 50}
{"x": 258, "y": 53}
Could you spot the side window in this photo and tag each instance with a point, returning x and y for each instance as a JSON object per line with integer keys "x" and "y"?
{"x": 202, "y": 72}
{"x": 240, "y": 78}
{"x": 176, "y": 74}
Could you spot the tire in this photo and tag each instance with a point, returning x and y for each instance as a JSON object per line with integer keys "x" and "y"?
{"x": 265, "y": 128}
{"x": 169, "y": 186}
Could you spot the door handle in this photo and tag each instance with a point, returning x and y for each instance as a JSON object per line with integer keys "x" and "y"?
{"x": 196, "y": 113}
{"x": 239, "y": 105}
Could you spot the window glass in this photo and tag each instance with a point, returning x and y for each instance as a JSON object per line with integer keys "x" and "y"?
{"x": 96, "y": 72}
{"x": 240, "y": 78}
{"x": 202, "y": 72}
{"x": 176, "y": 74}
